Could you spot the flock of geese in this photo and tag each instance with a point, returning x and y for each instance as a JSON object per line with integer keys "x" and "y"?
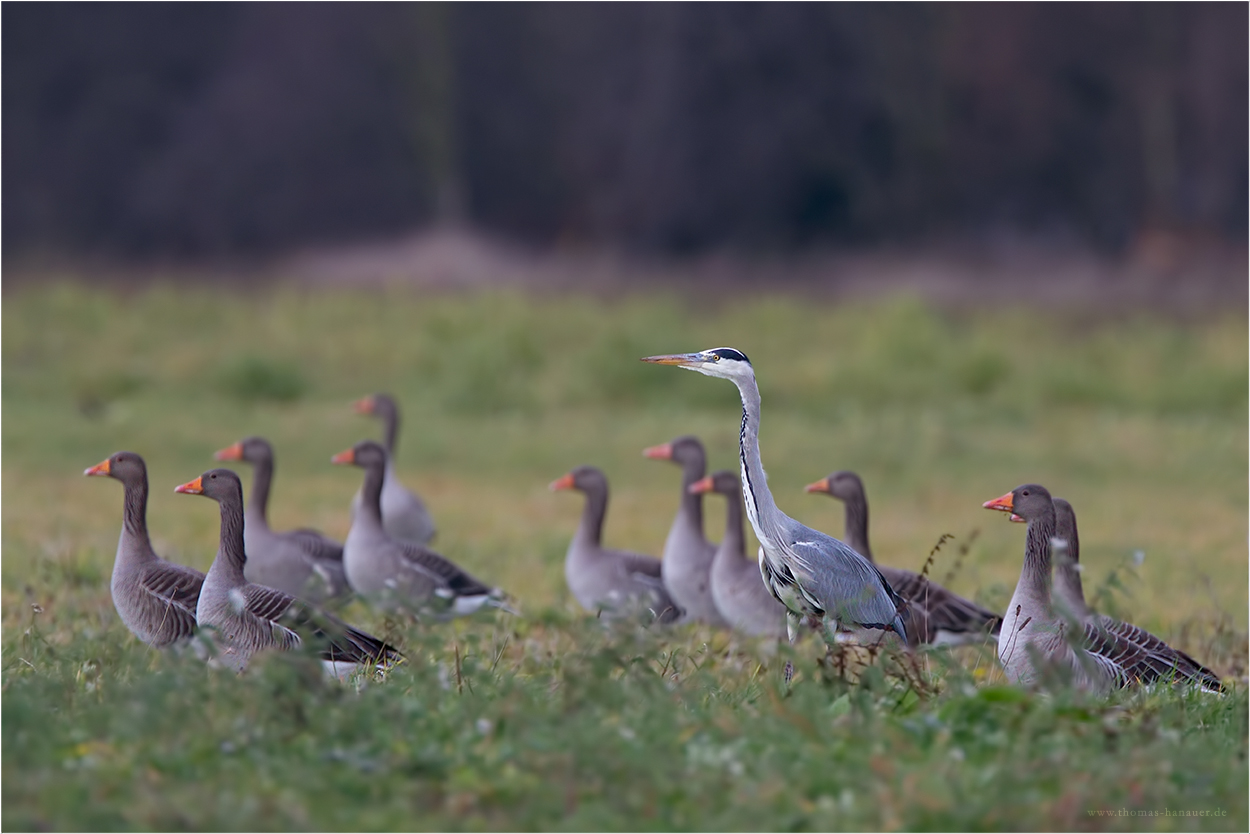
{"x": 269, "y": 590}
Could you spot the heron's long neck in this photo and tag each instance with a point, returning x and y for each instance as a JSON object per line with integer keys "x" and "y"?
{"x": 258, "y": 501}
{"x": 856, "y": 530}
{"x": 757, "y": 497}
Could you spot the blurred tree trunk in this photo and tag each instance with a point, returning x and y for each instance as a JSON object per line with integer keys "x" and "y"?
{"x": 434, "y": 120}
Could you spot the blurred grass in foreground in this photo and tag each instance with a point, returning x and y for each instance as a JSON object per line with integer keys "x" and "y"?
{"x": 1140, "y": 422}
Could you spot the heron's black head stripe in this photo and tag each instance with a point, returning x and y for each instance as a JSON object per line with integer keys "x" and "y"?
{"x": 730, "y": 353}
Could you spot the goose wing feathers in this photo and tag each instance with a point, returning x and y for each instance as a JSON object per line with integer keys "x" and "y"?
{"x": 943, "y": 609}
{"x": 175, "y": 591}
{"x": 316, "y": 545}
{"x": 441, "y": 570}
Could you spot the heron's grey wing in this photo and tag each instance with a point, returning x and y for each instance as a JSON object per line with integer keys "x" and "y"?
{"x": 316, "y": 545}
{"x": 845, "y": 584}
{"x": 1179, "y": 664}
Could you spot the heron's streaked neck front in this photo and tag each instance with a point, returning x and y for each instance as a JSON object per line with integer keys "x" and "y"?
{"x": 758, "y": 498}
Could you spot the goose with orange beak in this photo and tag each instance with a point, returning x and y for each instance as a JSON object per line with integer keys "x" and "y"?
{"x": 301, "y": 562}
{"x": 615, "y": 584}
{"x": 398, "y": 575}
{"x": 686, "y": 565}
{"x": 243, "y": 618}
{"x": 156, "y": 599}
{"x": 737, "y": 586}
{"x": 1039, "y": 645}
{"x": 404, "y": 514}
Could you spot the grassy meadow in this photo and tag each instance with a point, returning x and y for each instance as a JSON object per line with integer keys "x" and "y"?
{"x": 549, "y": 721}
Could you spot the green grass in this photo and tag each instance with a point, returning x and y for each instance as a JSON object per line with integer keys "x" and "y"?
{"x": 551, "y": 723}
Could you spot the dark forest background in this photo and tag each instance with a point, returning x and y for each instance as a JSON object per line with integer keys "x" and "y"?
{"x": 207, "y": 130}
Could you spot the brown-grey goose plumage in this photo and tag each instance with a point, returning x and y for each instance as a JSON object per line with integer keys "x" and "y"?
{"x": 244, "y": 618}
{"x": 611, "y": 583}
{"x": 738, "y": 588}
{"x": 404, "y": 514}
{"x": 156, "y": 599}
{"x": 686, "y": 565}
{"x": 1069, "y": 599}
{"x": 303, "y": 562}
{"x": 1037, "y": 642}
{"x": 936, "y": 615}
{"x": 399, "y": 575}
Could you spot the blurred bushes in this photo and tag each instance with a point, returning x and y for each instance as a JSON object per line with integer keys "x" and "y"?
{"x": 211, "y": 129}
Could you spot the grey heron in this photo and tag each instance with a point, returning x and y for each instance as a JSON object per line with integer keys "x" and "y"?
{"x": 936, "y": 615}
{"x": 1036, "y": 640}
{"x": 302, "y": 562}
{"x": 813, "y": 574}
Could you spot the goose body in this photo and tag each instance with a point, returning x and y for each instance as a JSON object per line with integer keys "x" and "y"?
{"x": 244, "y": 618}
{"x": 936, "y": 616}
{"x": 613, "y": 583}
{"x": 398, "y": 575}
{"x": 156, "y": 599}
{"x": 301, "y": 562}
{"x": 686, "y": 566}
{"x": 1037, "y": 643}
{"x": 1069, "y": 597}
{"x": 738, "y": 589}
{"x": 404, "y": 514}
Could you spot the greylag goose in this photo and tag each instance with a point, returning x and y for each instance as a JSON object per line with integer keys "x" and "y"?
{"x": 686, "y": 566}
{"x": 404, "y": 515}
{"x": 246, "y": 618}
{"x": 301, "y": 562}
{"x": 156, "y": 599}
{"x": 1037, "y": 641}
{"x": 1069, "y": 598}
{"x": 400, "y": 575}
{"x": 616, "y": 583}
{"x": 814, "y": 575}
{"x": 936, "y": 615}
{"x": 737, "y": 586}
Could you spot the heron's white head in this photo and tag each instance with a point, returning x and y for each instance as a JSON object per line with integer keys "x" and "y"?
{"x": 726, "y": 362}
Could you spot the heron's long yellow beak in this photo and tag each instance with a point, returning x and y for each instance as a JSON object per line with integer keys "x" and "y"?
{"x": 681, "y": 359}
